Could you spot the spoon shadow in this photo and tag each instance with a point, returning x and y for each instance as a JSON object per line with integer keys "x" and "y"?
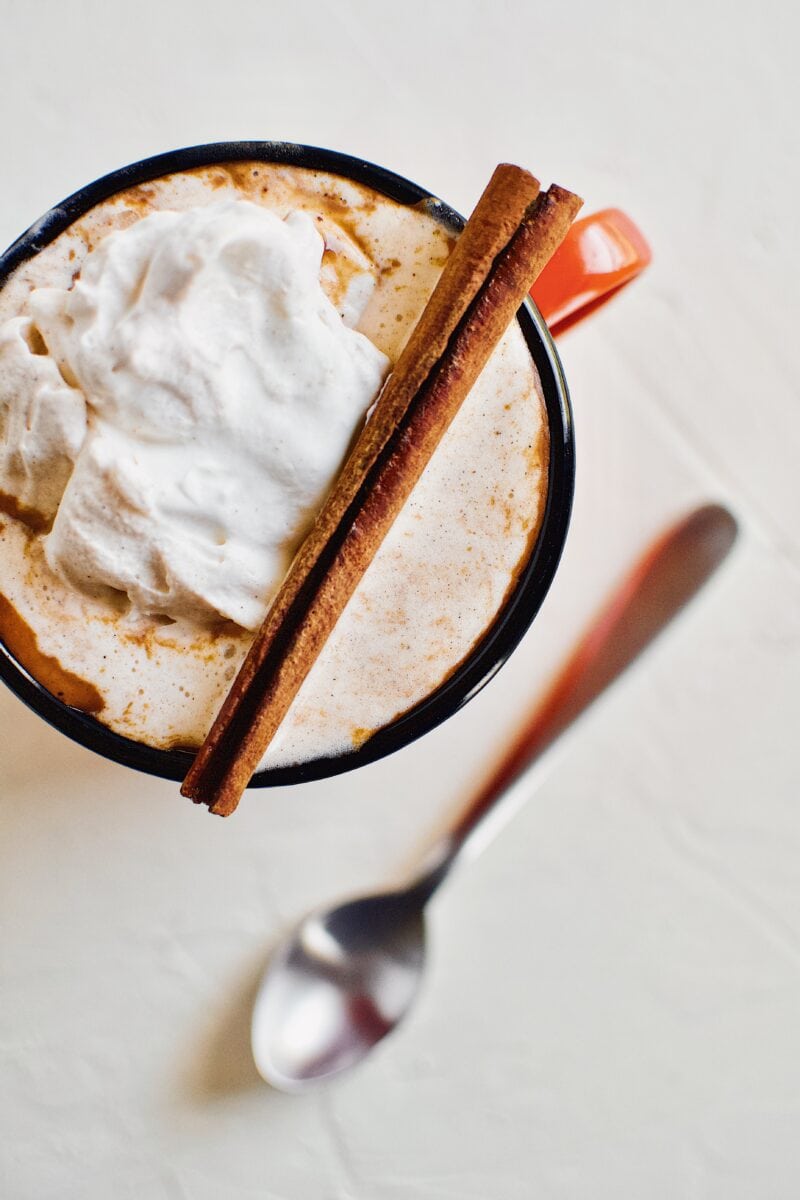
{"x": 221, "y": 1061}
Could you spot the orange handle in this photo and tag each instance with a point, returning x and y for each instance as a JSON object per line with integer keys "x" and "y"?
{"x": 599, "y": 256}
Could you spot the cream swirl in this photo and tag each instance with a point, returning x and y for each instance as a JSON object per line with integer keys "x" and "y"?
{"x": 221, "y": 389}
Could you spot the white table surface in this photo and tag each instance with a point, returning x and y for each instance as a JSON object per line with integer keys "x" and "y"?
{"x": 613, "y": 1006}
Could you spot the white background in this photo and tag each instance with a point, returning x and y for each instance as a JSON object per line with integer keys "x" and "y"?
{"x": 613, "y": 1006}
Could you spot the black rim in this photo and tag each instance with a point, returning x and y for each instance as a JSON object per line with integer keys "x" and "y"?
{"x": 533, "y": 584}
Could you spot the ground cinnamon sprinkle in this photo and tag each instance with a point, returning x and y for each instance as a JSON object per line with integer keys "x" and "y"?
{"x": 20, "y": 639}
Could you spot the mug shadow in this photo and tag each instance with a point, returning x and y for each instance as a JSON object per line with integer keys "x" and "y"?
{"x": 34, "y": 755}
{"x": 44, "y": 779}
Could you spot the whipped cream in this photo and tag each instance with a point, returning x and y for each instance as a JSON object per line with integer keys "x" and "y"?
{"x": 42, "y": 421}
{"x": 185, "y": 407}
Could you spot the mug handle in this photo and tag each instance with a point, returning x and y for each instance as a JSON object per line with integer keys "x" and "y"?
{"x": 600, "y": 255}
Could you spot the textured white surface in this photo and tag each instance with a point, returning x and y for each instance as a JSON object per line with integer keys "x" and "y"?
{"x": 614, "y": 988}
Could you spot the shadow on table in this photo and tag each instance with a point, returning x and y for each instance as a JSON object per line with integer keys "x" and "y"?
{"x": 36, "y": 761}
{"x": 56, "y": 798}
{"x": 222, "y": 1062}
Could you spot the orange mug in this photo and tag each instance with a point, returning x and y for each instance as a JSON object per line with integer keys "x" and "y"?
{"x": 601, "y": 254}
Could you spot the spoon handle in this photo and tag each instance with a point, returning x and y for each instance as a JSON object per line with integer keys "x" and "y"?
{"x": 663, "y": 580}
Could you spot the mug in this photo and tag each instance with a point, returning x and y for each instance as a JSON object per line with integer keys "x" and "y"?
{"x": 601, "y": 254}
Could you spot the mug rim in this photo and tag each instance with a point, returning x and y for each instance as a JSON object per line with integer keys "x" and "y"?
{"x": 521, "y": 605}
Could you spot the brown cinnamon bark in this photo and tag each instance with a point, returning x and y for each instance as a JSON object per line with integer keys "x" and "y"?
{"x": 442, "y": 363}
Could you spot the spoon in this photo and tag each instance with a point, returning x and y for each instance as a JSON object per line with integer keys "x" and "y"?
{"x": 345, "y": 976}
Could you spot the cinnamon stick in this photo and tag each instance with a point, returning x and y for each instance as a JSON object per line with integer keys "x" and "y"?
{"x": 385, "y": 465}
{"x": 497, "y": 215}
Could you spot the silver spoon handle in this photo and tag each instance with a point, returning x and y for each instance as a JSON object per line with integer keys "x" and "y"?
{"x": 660, "y": 584}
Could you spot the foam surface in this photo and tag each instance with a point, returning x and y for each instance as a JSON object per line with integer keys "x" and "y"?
{"x": 442, "y": 573}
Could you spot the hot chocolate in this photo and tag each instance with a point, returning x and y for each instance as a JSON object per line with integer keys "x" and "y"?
{"x": 137, "y": 554}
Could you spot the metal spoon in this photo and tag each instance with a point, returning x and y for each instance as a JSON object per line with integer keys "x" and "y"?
{"x": 346, "y": 976}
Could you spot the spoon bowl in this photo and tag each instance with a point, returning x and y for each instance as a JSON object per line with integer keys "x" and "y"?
{"x": 345, "y": 978}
